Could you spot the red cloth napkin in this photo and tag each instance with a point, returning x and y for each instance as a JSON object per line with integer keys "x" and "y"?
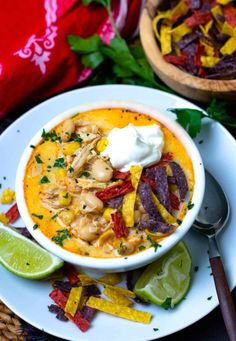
{"x": 35, "y": 59}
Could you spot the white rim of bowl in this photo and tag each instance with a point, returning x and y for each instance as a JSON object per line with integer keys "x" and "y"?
{"x": 130, "y": 261}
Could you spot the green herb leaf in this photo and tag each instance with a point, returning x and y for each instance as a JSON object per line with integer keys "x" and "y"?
{"x": 44, "y": 180}
{"x": 32, "y": 146}
{"x": 190, "y": 205}
{"x": 51, "y": 136}
{"x": 217, "y": 111}
{"x": 54, "y": 216}
{"x": 190, "y": 119}
{"x": 85, "y": 174}
{"x": 37, "y": 159}
{"x": 77, "y": 138}
{"x": 61, "y": 236}
{"x": 35, "y": 226}
{"x": 153, "y": 243}
{"x": 87, "y": 45}
{"x": 59, "y": 163}
{"x": 141, "y": 247}
{"x": 209, "y": 298}
{"x": 155, "y": 329}
{"x": 92, "y": 60}
{"x": 167, "y": 304}
{"x": 105, "y": 3}
{"x": 71, "y": 169}
{"x": 39, "y": 216}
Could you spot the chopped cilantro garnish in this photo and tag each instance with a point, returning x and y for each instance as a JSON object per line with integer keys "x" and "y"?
{"x": 196, "y": 268}
{"x": 51, "y": 136}
{"x": 71, "y": 169}
{"x": 141, "y": 247}
{"x": 61, "y": 236}
{"x": 85, "y": 174}
{"x": 49, "y": 166}
{"x": 44, "y": 180}
{"x": 32, "y": 146}
{"x": 200, "y": 142}
{"x": 39, "y": 216}
{"x": 66, "y": 195}
{"x": 59, "y": 163}
{"x": 155, "y": 329}
{"x": 167, "y": 303}
{"x": 153, "y": 243}
{"x": 178, "y": 221}
{"x": 38, "y": 160}
{"x": 84, "y": 207}
{"x": 35, "y": 226}
{"x": 209, "y": 298}
{"x": 54, "y": 216}
{"x": 78, "y": 138}
{"x": 190, "y": 205}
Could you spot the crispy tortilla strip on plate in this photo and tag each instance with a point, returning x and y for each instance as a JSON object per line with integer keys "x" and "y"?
{"x": 111, "y": 279}
{"x": 119, "y": 310}
{"x": 122, "y": 291}
{"x": 116, "y": 297}
{"x": 73, "y": 301}
{"x": 86, "y": 280}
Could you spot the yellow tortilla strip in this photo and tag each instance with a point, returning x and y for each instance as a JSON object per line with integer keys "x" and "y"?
{"x": 229, "y": 47}
{"x": 209, "y": 61}
{"x": 86, "y": 280}
{"x": 73, "y": 301}
{"x": 180, "y": 31}
{"x": 111, "y": 279}
{"x": 217, "y": 13}
{"x": 205, "y": 28}
{"x": 223, "y": 2}
{"x": 122, "y": 291}
{"x": 160, "y": 16}
{"x": 129, "y": 198}
{"x": 117, "y": 298}
{"x": 228, "y": 29}
{"x": 167, "y": 217}
{"x": 119, "y": 310}
{"x": 165, "y": 39}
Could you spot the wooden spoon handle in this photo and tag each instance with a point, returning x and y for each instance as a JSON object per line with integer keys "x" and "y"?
{"x": 224, "y": 296}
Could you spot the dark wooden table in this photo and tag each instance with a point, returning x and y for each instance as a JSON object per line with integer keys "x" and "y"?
{"x": 209, "y": 328}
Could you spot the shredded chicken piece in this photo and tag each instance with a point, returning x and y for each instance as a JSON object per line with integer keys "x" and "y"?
{"x": 50, "y": 197}
{"x": 84, "y": 228}
{"x": 90, "y": 183}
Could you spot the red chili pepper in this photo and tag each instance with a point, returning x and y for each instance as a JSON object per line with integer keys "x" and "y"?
{"x": 121, "y": 175}
{"x": 198, "y": 18}
{"x": 230, "y": 14}
{"x": 199, "y": 52}
{"x": 71, "y": 274}
{"x": 176, "y": 60}
{"x": 149, "y": 181}
{"x": 119, "y": 227}
{"x": 174, "y": 201}
{"x": 164, "y": 159}
{"x": 13, "y": 214}
{"x": 59, "y": 297}
{"x": 115, "y": 191}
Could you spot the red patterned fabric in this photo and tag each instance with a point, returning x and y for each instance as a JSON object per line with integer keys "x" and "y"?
{"x": 35, "y": 59}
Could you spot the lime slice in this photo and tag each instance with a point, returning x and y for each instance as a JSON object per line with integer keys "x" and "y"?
{"x": 23, "y": 257}
{"x": 166, "y": 281}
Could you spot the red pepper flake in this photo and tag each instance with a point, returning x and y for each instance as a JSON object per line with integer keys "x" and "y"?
{"x": 71, "y": 274}
{"x": 119, "y": 227}
{"x": 199, "y": 52}
{"x": 13, "y": 214}
{"x": 176, "y": 60}
{"x": 174, "y": 201}
{"x": 149, "y": 181}
{"x": 115, "y": 191}
{"x": 198, "y": 18}
{"x": 230, "y": 14}
{"x": 121, "y": 175}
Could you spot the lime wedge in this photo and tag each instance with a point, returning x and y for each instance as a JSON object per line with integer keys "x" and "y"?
{"x": 23, "y": 257}
{"x": 166, "y": 281}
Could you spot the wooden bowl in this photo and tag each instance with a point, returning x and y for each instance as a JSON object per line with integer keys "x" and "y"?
{"x": 182, "y": 82}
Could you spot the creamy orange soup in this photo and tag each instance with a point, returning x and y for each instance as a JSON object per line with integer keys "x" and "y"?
{"x": 67, "y": 182}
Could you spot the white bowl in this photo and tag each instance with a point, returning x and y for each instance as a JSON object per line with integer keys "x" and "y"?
{"x": 128, "y": 262}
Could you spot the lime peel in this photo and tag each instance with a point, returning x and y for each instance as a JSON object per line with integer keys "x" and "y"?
{"x": 166, "y": 281}
{"x": 25, "y": 258}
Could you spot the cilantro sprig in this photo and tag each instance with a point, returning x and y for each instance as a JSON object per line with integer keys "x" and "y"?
{"x": 60, "y": 237}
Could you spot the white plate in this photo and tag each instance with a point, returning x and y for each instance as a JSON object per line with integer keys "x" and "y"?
{"x": 29, "y": 299}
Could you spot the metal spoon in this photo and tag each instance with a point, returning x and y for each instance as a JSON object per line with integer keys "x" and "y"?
{"x": 211, "y": 219}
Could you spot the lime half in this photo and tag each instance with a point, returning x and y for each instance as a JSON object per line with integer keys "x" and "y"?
{"x": 25, "y": 258}
{"x": 166, "y": 281}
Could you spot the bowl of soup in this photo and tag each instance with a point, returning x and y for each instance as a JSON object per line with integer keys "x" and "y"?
{"x": 110, "y": 186}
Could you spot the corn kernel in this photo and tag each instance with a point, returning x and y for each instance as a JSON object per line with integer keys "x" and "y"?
{"x": 70, "y": 147}
{"x": 101, "y": 145}
{"x": 3, "y": 218}
{"x": 64, "y": 198}
{"x": 67, "y": 216}
{"x": 107, "y": 213}
{"x": 60, "y": 173}
{"x": 8, "y": 196}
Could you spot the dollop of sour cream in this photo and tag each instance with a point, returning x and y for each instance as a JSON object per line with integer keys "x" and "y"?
{"x": 134, "y": 145}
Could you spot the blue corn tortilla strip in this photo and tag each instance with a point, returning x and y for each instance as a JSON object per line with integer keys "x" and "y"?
{"x": 64, "y": 285}
{"x": 88, "y": 313}
{"x": 91, "y": 290}
{"x": 162, "y": 189}
{"x": 147, "y": 202}
{"x": 115, "y": 202}
{"x": 226, "y": 67}
{"x": 180, "y": 179}
{"x": 194, "y": 4}
{"x": 153, "y": 225}
{"x": 186, "y": 40}
{"x": 60, "y": 314}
